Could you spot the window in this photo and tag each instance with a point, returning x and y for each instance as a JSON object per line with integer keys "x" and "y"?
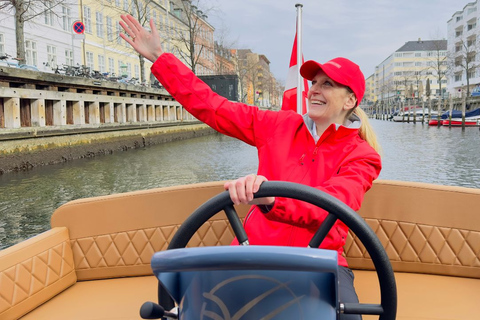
{"x": 2, "y": 44}
{"x": 129, "y": 69}
{"x": 148, "y": 13}
{"x": 458, "y": 33}
{"x": 69, "y": 57}
{"x": 458, "y": 77}
{"x": 119, "y": 30}
{"x": 137, "y": 71}
{"x": 418, "y": 64}
{"x": 99, "y": 24}
{"x": 398, "y": 54}
{"x": 52, "y": 55}
{"x": 31, "y": 53}
{"x": 111, "y": 66}
{"x": 117, "y": 3}
{"x": 90, "y": 63}
{"x": 460, "y": 18}
{"x": 418, "y": 54}
{"x": 48, "y": 13}
{"x": 471, "y": 26}
{"x": 66, "y": 20}
{"x": 109, "y": 29}
{"x": 101, "y": 63}
{"x": 87, "y": 17}
{"x": 120, "y": 70}
{"x": 125, "y": 5}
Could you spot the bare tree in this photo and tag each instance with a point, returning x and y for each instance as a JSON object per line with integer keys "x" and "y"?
{"x": 26, "y": 10}
{"x": 464, "y": 61}
{"x": 141, "y": 10}
{"x": 191, "y": 42}
{"x": 249, "y": 68}
{"x": 224, "y": 58}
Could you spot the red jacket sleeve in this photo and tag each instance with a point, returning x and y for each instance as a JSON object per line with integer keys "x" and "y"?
{"x": 231, "y": 118}
{"x": 352, "y": 181}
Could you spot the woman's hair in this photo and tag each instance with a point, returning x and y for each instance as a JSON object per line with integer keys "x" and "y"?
{"x": 366, "y": 131}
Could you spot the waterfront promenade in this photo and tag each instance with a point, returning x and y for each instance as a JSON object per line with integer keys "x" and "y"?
{"x": 48, "y": 118}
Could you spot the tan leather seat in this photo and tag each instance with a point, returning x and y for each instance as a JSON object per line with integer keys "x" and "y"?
{"x": 119, "y": 298}
{"x": 422, "y": 296}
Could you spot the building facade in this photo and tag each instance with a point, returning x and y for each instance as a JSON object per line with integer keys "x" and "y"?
{"x": 463, "y": 48}
{"x": 49, "y": 38}
{"x": 403, "y": 75}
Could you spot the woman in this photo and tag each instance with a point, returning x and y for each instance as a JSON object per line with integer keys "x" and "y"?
{"x": 330, "y": 148}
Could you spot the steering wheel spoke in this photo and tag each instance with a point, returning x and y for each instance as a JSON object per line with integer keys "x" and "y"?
{"x": 236, "y": 224}
{"x": 322, "y": 232}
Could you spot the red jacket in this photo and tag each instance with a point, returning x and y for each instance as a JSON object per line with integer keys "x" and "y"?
{"x": 340, "y": 163}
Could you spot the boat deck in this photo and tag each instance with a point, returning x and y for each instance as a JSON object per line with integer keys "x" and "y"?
{"x": 81, "y": 270}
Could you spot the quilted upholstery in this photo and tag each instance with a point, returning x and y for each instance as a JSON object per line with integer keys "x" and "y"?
{"x": 33, "y": 271}
{"x": 435, "y": 231}
{"x": 421, "y": 244}
{"x": 135, "y": 248}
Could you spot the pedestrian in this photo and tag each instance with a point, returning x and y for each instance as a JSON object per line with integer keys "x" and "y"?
{"x": 331, "y": 148}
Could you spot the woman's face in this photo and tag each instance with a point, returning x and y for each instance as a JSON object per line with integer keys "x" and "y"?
{"x": 329, "y": 101}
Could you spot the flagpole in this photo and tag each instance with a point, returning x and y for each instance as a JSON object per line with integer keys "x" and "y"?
{"x": 299, "y": 58}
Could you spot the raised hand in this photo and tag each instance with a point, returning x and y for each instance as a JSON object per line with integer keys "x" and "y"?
{"x": 147, "y": 43}
{"x": 242, "y": 190}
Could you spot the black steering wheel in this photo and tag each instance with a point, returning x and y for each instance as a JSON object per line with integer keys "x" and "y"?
{"x": 387, "y": 309}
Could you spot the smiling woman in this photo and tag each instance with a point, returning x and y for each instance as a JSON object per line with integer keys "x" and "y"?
{"x": 323, "y": 149}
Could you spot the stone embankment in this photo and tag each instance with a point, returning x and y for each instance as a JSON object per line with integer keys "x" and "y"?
{"x": 32, "y": 149}
{"x": 47, "y": 118}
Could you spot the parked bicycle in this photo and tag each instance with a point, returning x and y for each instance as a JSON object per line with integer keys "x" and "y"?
{"x": 9, "y": 61}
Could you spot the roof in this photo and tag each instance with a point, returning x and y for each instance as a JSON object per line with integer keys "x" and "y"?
{"x": 424, "y": 45}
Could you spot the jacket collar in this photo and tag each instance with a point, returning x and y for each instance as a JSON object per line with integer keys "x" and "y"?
{"x": 353, "y": 123}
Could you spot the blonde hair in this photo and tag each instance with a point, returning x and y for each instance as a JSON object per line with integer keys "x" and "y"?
{"x": 366, "y": 131}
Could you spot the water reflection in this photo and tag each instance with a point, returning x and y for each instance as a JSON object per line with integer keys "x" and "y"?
{"x": 27, "y": 199}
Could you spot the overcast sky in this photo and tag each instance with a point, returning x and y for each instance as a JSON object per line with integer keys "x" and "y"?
{"x": 365, "y": 31}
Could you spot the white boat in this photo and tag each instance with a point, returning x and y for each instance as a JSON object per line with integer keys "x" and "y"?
{"x": 418, "y": 115}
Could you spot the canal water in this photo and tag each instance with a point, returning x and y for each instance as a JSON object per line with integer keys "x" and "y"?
{"x": 411, "y": 152}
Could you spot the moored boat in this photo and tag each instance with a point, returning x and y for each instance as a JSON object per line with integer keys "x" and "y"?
{"x": 472, "y": 119}
{"x": 415, "y": 113}
{"x": 95, "y": 261}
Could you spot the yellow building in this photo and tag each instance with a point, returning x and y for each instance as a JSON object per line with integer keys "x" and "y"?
{"x": 105, "y": 51}
{"x": 369, "y": 96}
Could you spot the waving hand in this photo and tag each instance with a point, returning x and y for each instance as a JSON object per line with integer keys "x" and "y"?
{"x": 146, "y": 43}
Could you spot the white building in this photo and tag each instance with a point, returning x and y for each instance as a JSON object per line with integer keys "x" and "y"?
{"x": 404, "y": 74}
{"x": 49, "y": 37}
{"x": 463, "y": 45}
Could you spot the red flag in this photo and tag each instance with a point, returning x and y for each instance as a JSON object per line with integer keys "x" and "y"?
{"x": 290, "y": 95}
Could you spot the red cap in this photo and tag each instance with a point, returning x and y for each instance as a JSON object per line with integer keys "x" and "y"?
{"x": 340, "y": 70}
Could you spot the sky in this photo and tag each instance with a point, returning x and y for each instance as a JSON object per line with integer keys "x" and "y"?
{"x": 364, "y": 31}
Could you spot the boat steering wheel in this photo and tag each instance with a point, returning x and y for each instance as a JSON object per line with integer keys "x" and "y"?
{"x": 387, "y": 309}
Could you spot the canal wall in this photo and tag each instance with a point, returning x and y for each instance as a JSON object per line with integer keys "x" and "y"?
{"x": 27, "y": 153}
{"x": 49, "y": 118}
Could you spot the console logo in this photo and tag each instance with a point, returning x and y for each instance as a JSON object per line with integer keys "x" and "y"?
{"x": 251, "y": 297}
